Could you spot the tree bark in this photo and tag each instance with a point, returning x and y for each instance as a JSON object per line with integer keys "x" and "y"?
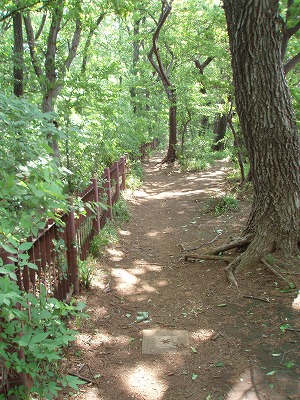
{"x": 220, "y": 125}
{"x": 269, "y": 127}
{"x": 164, "y": 75}
{"x": 18, "y": 55}
{"x": 52, "y": 76}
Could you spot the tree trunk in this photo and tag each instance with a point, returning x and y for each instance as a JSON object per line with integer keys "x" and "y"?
{"x": 18, "y": 55}
{"x": 220, "y": 125}
{"x": 171, "y": 154}
{"x": 269, "y": 127}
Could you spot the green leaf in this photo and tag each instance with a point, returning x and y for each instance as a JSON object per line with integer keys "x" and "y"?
{"x": 39, "y": 338}
{"x": 194, "y": 377}
{"x": 142, "y": 316}
{"x": 25, "y": 246}
{"x": 219, "y": 364}
{"x": 193, "y": 350}
{"x": 32, "y": 266}
{"x": 9, "y": 249}
{"x": 292, "y": 285}
{"x": 271, "y": 373}
{"x": 289, "y": 364}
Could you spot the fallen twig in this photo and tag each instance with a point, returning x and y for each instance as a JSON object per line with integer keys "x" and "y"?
{"x": 202, "y": 244}
{"x": 120, "y": 305}
{"x": 207, "y": 257}
{"x": 292, "y": 329}
{"x": 189, "y": 395}
{"x": 256, "y": 298}
{"x": 83, "y": 378}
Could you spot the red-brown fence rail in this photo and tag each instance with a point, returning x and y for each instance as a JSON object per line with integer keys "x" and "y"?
{"x": 56, "y": 249}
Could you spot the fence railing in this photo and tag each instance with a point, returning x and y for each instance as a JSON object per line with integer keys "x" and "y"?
{"x": 57, "y": 248}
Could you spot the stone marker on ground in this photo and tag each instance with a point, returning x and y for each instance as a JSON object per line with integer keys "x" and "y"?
{"x": 157, "y": 341}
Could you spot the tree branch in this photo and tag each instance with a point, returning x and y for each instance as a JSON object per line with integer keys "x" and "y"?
{"x": 291, "y": 63}
{"x": 88, "y": 41}
{"x": 74, "y": 45}
{"x": 201, "y": 67}
{"x": 25, "y": 7}
{"x": 158, "y": 66}
{"x": 31, "y": 43}
{"x": 40, "y": 30}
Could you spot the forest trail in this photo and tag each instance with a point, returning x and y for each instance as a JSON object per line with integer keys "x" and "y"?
{"x": 237, "y": 349}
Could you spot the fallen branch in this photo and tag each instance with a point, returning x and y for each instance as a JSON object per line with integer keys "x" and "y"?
{"x": 256, "y": 298}
{"x": 207, "y": 257}
{"x": 201, "y": 245}
{"x": 292, "y": 329}
{"x": 83, "y": 378}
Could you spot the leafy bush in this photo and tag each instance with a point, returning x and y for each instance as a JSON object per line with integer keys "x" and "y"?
{"x": 135, "y": 174}
{"x": 86, "y": 271}
{"x": 220, "y": 205}
{"x": 35, "y": 325}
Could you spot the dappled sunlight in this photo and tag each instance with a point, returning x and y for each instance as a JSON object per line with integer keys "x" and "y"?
{"x": 173, "y": 194}
{"x": 296, "y": 303}
{"x": 124, "y": 233}
{"x": 202, "y": 335}
{"x": 143, "y": 380}
{"x": 153, "y": 233}
{"x": 147, "y": 266}
{"x": 115, "y": 255}
{"x": 101, "y": 338}
{"x": 126, "y": 281}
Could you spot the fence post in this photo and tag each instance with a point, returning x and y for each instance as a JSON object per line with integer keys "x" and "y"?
{"x": 108, "y": 192}
{"x": 96, "y": 197}
{"x": 72, "y": 251}
{"x": 118, "y": 180}
{"x": 122, "y": 169}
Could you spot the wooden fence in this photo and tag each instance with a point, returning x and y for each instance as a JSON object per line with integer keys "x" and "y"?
{"x": 57, "y": 248}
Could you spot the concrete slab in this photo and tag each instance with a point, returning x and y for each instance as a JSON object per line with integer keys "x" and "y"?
{"x": 158, "y": 341}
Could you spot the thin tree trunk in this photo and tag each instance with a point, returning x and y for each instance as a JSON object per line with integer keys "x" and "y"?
{"x": 18, "y": 55}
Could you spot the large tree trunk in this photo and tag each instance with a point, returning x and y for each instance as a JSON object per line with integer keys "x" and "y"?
{"x": 269, "y": 127}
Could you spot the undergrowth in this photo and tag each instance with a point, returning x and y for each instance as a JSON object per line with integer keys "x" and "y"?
{"x": 109, "y": 233}
{"x": 220, "y": 205}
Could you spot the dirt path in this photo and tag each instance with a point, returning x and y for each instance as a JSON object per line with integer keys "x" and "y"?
{"x": 234, "y": 341}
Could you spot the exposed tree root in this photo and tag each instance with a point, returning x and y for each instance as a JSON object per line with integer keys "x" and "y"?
{"x": 233, "y": 244}
{"x": 256, "y": 249}
{"x": 272, "y": 269}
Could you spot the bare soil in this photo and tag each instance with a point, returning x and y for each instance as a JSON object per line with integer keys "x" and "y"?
{"x": 238, "y": 348}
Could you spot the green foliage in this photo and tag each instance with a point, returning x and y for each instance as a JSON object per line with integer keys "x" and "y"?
{"x": 135, "y": 174}
{"x": 220, "y": 205}
{"x": 120, "y": 211}
{"x": 31, "y": 187}
{"x": 109, "y": 233}
{"x": 36, "y": 326}
{"x": 86, "y": 269}
{"x": 197, "y": 154}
